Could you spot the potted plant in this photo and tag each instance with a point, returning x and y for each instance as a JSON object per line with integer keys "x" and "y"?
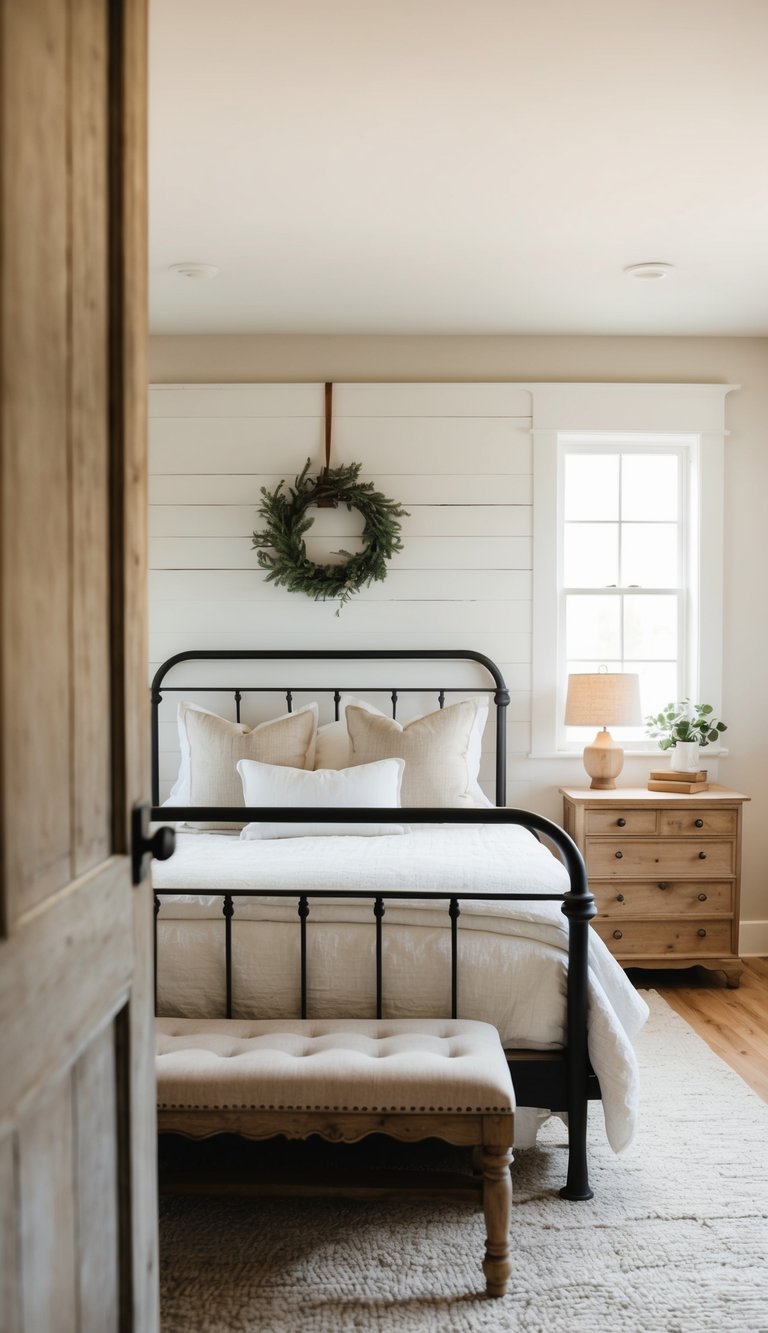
{"x": 685, "y": 728}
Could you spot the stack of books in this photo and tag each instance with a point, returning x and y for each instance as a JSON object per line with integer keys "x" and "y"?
{"x": 674, "y": 780}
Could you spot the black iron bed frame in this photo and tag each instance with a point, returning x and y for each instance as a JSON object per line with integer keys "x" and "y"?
{"x": 558, "y": 1080}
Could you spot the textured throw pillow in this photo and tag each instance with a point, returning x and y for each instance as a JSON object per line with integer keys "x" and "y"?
{"x": 211, "y": 747}
{"x": 334, "y": 746}
{"x": 436, "y": 749}
{"x": 368, "y": 785}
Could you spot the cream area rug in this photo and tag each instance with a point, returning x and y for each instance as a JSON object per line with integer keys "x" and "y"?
{"x": 675, "y": 1240}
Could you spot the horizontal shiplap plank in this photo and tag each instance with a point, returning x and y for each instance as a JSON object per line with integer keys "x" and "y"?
{"x": 235, "y": 400}
{"x": 384, "y": 447}
{"x": 421, "y": 521}
{"x": 234, "y": 444}
{"x": 432, "y": 400}
{"x": 421, "y": 553}
{"x": 241, "y": 488}
{"x": 449, "y": 399}
{"x": 221, "y": 617}
{"x": 400, "y": 585}
{"x": 339, "y": 633}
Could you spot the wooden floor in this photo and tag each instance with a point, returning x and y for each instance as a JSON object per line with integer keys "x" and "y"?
{"x": 733, "y": 1022}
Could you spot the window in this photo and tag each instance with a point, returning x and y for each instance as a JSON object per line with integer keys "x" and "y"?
{"x": 625, "y": 565}
{"x": 627, "y": 549}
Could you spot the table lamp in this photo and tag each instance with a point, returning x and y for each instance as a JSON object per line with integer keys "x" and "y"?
{"x": 603, "y": 699}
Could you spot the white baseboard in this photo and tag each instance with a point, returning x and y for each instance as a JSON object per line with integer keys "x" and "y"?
{"x": 753, "y": 939}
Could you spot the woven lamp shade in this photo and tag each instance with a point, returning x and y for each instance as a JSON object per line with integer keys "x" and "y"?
{"x": 603, "y": 699}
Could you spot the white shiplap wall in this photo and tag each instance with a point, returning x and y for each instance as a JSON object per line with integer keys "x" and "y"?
{"x": 458, "y": 456}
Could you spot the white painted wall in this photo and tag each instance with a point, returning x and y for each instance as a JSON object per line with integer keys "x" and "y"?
{"x": 457, "y": 456}
{"x": 311, "y": 360}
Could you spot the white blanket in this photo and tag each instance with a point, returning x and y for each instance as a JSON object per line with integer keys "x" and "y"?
{"x": 512, "y": 955}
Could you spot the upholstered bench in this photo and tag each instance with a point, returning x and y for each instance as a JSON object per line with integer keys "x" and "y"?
{"x": 343, "y": 1079}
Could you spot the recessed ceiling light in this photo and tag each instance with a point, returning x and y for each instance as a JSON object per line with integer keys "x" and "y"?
{"x": 650, "y": 271}
{"x": 194, "y": 270}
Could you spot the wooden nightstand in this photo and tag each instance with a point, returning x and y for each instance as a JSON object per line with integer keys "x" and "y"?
{"x": 665, "y": 871}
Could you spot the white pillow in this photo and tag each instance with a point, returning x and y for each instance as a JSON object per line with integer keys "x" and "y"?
{"x": 367, "y": 785}
{"x": 211, "y": 747}
{"x": 334, "y": 747}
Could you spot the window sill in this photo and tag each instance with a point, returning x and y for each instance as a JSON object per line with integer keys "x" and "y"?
{"x": 661, "y": 755}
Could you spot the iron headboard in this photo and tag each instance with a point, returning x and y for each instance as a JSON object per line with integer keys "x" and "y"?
{"x": 498, "y": 690}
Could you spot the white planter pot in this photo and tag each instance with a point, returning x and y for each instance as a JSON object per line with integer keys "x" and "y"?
{"x": 684, "y": 756}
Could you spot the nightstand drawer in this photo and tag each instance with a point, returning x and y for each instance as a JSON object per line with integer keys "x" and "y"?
{"x": 658, "y": 939}
{"x": 628, "y": 821}
{"x": 664, "y": 898}
{"x": 697, "y": 821}
{"x": 667, "y": 860}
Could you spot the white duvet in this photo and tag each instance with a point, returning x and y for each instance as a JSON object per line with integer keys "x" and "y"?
{"x": 512, "y": 955}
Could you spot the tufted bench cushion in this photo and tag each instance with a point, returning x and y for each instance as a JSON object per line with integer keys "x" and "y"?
{"x": 347, "y": 1065}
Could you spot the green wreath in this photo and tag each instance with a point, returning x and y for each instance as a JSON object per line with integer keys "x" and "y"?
{"x": 281, "y": 548}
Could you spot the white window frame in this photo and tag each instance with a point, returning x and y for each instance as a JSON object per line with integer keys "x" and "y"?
{"x": 691, "y": 415}
{"x": 685, "y": 448}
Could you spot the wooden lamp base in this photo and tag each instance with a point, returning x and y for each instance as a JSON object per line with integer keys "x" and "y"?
{"x": 603, "y": 760}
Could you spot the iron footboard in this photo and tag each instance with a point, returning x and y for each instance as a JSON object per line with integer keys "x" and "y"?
{"x": 577, "y": 905}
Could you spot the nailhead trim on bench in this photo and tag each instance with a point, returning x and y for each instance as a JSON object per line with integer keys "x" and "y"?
{"x": 451, "y": 1110}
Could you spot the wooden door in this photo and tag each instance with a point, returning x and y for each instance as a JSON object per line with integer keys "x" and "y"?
{"x": 77, "y": 1147}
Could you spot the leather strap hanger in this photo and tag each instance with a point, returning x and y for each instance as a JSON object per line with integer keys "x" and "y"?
{"x": 327, "y": 502}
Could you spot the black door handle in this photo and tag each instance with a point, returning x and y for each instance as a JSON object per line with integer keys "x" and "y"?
{"x": 161, "y": 844}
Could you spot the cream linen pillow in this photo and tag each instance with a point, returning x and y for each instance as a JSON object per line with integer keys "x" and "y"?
{"x": 436, "y": 750}
{"x": 334, "y": 747}
{"x": 368, "y": 785}
{"x": 211, "y": 747}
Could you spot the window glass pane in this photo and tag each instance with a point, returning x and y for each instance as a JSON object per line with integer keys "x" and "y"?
{"x": 590, "y": 555}
{"x": 649, "y": 486}
{"x": 658, "y": 684}
{"x": 593, "y": 626}
{"x": 649, "y": 555}
{"x": 650, "y": 627}
{"x": 591, "y": 486}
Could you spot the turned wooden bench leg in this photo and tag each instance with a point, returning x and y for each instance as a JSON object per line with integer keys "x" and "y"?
{"x": 497, "y": 1206}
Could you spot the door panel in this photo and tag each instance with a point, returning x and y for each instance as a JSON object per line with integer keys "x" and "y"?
{"x": 95, "y": 1110}
{"x": 45, "y": 1150}
{"x": 77, "y": 1140}
{"x": 10, "y": 1300}
{"x": 36, "y": 685}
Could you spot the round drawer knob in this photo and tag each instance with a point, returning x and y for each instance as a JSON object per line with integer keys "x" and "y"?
{"x": 698, "y": 823}
{"x": 619, "y": 897}
{"x": 702, "y": 856}
{"x": 663, "y": 886}
{"x": 702, "y": 897}
{"x": 619, "y": 856}
{"x": 621, "y": 822}
{"x": 617, "y": 935}
{"x": 702, "y": 934}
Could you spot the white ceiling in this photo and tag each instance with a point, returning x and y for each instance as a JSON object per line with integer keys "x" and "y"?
{"x": 459, "y": 166}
